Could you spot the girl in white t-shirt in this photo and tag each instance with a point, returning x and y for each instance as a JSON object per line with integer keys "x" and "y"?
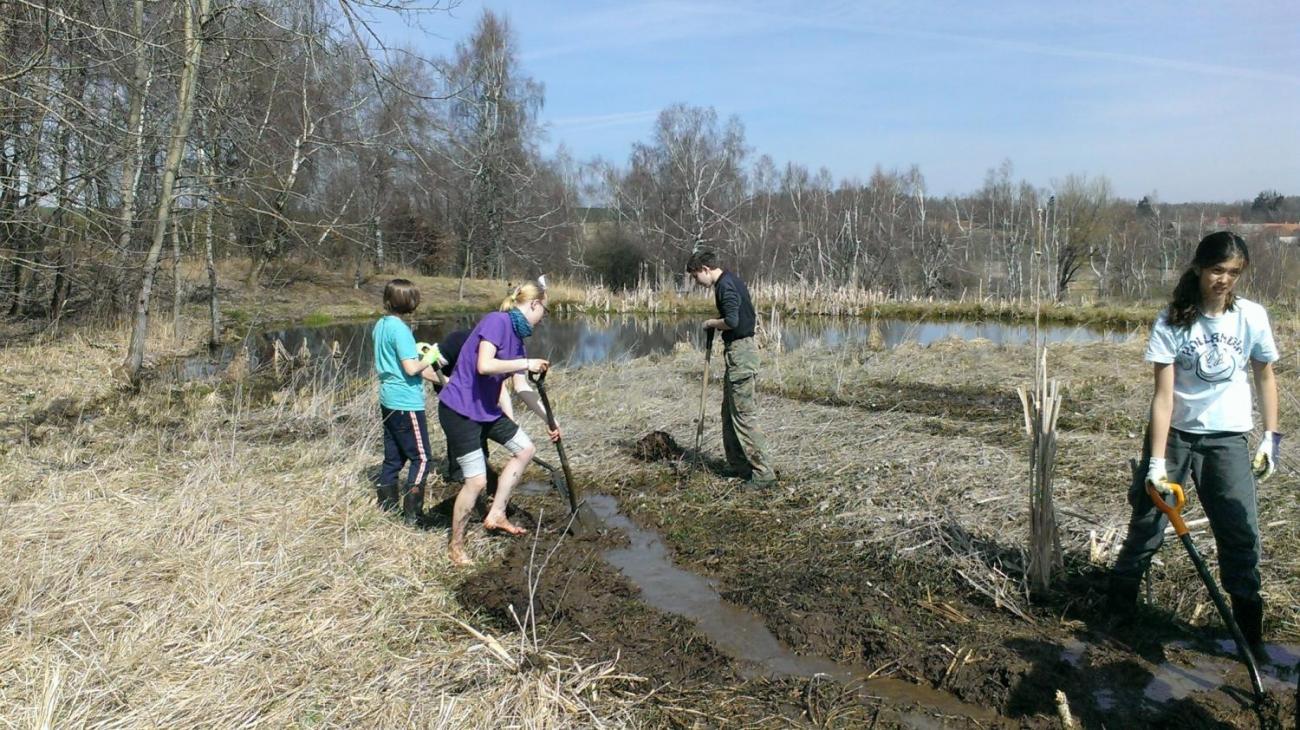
{"x": 1201, "y": 347}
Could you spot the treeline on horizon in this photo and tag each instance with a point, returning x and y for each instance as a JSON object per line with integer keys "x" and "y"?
{"x": 135, "y": 134}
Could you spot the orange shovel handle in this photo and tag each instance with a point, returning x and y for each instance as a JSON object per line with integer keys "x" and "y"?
{"x": 1171, "y": 510}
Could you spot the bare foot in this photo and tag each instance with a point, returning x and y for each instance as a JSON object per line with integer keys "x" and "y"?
{"x": 458, "y": 557}
{"x": 503, "y": 525}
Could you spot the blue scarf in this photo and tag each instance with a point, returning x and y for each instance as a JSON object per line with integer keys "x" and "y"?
{"x": 522, "y": 327}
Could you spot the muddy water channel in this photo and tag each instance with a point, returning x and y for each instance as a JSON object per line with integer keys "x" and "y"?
{"x": 577, "y": 341}
{"x": 743, "y": 635}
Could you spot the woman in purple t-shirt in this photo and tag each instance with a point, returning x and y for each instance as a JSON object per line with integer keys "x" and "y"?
{"x": 475, "y": 405}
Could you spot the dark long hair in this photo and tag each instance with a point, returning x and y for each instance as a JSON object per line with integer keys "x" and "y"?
{"x": 1185, "y": 304}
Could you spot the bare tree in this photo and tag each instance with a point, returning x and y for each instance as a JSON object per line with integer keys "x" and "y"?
{"x": 492, "y": 131}
{"x": 194, "y": 14}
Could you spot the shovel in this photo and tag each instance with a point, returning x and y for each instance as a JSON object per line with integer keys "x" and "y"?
{"x": 704, "y": 389}
{"x": 583, "y": 521}
{"x": 557, "y": 477}
{"x": 1180, "y": 529}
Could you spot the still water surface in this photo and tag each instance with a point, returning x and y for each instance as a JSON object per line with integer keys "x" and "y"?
{"x": 577, "y": 341}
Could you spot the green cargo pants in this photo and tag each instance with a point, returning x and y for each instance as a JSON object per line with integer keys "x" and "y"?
{"x": 744, "y": 443}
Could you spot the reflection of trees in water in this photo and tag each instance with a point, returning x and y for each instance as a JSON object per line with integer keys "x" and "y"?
{"x": 583, "y": 341}
{"x": 577, "y": 341}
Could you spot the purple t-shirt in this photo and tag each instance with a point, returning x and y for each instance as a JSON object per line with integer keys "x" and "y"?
{"x": 470, "y": 394}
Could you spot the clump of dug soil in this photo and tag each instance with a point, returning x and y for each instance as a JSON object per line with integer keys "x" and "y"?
{"x": 657, "y": 446}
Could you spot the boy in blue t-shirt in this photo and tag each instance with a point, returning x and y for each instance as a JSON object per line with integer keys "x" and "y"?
{"x": 402, "y": 373}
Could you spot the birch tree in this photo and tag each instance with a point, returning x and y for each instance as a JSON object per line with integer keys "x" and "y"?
{"x": 194, "y": 14}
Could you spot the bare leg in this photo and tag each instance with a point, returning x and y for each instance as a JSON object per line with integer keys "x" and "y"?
{"x": 496, "y": 518}
{"x": 460, "y": 512}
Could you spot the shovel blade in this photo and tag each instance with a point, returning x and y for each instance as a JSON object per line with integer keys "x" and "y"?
{"x": 583, "y": 522}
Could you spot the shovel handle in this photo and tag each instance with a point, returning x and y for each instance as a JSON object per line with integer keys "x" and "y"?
{"x": 539, "y": 381}
{"x": 704, "y": 390}
{"x": 1171, "y": 510}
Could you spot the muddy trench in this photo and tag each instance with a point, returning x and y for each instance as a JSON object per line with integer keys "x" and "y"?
{"x": 953, "y": 658}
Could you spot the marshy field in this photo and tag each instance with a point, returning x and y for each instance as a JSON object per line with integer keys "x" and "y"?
{"x": 207, "y": 551}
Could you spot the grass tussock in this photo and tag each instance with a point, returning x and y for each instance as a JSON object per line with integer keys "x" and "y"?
{"x": 202, "y": 555}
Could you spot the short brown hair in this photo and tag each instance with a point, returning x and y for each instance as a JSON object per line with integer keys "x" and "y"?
{"x": 700, "y": 260}
{"x": 401, "y": 296}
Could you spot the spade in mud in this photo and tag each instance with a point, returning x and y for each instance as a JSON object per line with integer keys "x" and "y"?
{"x": 582, "y": 521}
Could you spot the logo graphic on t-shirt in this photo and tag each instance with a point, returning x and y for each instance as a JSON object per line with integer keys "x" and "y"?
{"x": 1215, "y": 357}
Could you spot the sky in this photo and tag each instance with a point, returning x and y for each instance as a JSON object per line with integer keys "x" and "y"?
{"x": 1190, "y": 100}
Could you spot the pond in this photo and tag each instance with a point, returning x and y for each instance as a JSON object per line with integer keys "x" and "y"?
{"x": 577, "y": 341}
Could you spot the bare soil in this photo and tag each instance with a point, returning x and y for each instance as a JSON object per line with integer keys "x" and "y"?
{"x": 211, "y": 553}
{"x": 864, "y": 558}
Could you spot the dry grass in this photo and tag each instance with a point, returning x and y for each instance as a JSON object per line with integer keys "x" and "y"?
{"x": 187, "y": 557}
{"x": 198, "y": 556}
{"x": 920, "y": 452}
{"x": 846, "y": 301}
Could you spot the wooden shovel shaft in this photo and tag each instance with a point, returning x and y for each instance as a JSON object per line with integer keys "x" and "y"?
{"x": 704, "y": 390}
{"x": 572, "y": 490}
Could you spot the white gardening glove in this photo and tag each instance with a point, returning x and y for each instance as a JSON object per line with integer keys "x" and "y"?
{"x": 1158, "y": 478}
{"x": 1265, "y": 462}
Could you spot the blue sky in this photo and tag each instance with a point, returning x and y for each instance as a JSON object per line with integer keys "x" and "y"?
{"x": 1191, "y": 100}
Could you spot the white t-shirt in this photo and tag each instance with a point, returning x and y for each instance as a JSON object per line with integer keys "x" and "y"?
{"x": 1211, "y": 359}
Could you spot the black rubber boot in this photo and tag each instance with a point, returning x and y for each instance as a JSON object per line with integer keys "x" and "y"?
{"x": 1249, "y": 614}
{"x": 413, "y": 504}
{"x": 387, "y": 497}
{"x": 1121, "y": 599}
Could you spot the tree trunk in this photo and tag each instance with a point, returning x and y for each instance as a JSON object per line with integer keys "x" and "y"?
{"x": 177, "y": 288}
{"x": 141, "y": 81}
{"x": 214, "y": 336}
{"x": 176, "y": 145}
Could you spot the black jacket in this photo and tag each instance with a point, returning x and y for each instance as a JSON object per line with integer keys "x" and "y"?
{"x": 734, "y": 307}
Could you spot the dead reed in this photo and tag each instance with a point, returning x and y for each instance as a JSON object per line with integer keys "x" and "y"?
{"x": 208, "y": 555}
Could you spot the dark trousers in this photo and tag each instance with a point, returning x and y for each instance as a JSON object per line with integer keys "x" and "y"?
{"x": 406, "y": 439}
{"x": 1219, "y": 463}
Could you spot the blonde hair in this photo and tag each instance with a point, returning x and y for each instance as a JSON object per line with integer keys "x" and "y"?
{"x": 523, "y": 294}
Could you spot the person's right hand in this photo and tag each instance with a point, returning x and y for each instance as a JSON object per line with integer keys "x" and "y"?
{"x": 538, "y": 365}
{"x": 1158, "y": 478}
{"x": 429, "y": 354}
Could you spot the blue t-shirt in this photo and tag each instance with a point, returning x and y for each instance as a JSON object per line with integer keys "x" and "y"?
{"x": 1211, "y": 360}
{"x": 393, "y": 344}
{"x": 470, "y": 394}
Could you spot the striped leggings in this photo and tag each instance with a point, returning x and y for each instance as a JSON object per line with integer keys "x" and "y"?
{"x": 406, "y": 438}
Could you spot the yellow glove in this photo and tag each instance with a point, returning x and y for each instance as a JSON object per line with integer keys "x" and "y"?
{"x": 430, "y": 354}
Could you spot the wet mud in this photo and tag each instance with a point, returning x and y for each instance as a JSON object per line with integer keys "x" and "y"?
{"x": 851, "y": 638}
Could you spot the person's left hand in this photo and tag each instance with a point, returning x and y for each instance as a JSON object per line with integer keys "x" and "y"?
{"x": 1265, "y": 461}
{"x": 555, "y": 433}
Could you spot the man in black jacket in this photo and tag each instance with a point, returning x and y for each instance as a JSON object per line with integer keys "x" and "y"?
{"x": 741, "y": 438}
